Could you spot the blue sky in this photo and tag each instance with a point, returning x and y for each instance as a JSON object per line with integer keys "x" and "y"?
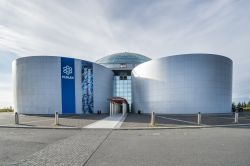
{"x": 91, "y": 29}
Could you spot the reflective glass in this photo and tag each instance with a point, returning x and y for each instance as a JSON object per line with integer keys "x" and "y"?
{"x": 122, "y": 88}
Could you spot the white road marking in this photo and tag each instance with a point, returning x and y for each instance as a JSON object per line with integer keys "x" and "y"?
{"x": 178, "y": 120}
{"x": 108, "y": 123}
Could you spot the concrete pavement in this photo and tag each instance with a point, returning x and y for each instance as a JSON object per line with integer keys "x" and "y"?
{"x": 182, "y": 147}
{"x": 48, "y": 121}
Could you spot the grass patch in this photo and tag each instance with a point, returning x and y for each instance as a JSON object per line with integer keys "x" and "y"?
{"x": 6, "y": 110}
{"x": 247, "y": 109}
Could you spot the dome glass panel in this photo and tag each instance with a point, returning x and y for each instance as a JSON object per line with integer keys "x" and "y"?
{"x": 123, "y": 58}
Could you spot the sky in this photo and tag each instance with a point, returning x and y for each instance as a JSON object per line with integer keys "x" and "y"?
{"x": 91, "y": 29}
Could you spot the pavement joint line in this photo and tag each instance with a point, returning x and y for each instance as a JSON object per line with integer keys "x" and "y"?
{"x": 231, "y": 118}
{"x": 182, "y": 127}
{"x": 38, "y": 127}
{"x": 178, "y": 120}
{"x": 156, "y": 128}
{"x": 97, "y": 148}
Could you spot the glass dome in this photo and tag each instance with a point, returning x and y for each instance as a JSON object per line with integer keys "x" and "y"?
{"x": 123, "y": 58}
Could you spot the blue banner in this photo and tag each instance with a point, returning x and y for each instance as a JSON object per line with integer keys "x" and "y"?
{"x": 68, "y": 85}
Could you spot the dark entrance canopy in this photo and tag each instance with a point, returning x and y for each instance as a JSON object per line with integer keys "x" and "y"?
{"x": 118, "y": 100}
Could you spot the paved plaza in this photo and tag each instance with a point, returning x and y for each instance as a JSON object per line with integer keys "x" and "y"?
{"x": 92, "y": 147}
{"x": 74, "y": 121}
{"x": 168, "y": 120}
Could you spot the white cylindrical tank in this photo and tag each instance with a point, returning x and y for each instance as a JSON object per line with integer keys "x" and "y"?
{"x": 37, "y": 85}
{"x": 183, "y": 84}
{"x": 49, "y": 84}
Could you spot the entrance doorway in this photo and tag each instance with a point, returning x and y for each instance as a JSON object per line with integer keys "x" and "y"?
{"x": 118, "y": 105}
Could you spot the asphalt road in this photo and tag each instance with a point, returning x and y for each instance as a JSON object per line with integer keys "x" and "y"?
{"x": 184, "y": 147}
{"x": 187, "y": 147}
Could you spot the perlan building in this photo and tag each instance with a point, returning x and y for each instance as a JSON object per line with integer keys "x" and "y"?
{"x": 180, "y": 84}
{"x": 122, "y": 65}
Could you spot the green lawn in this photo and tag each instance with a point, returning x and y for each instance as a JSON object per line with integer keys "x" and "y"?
{"x": 6, "y": 110}
{"x": 247, "y": 109}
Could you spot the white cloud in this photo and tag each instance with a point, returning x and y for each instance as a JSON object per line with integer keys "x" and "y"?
{"x": 91, "y": 29}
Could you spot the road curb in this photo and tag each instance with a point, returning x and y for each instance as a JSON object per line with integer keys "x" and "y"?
{"x": 182, "y": 127}
{"x": 40, "y": 127}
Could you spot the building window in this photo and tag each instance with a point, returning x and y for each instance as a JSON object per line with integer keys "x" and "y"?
{"x": 122, "y": 87}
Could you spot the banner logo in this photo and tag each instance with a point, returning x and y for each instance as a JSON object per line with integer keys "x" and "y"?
{"x": 68, "y": 71}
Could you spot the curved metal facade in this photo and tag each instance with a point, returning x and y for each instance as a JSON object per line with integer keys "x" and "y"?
{"x": 183, "y": 84}
{"x": 47, "y": 84}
